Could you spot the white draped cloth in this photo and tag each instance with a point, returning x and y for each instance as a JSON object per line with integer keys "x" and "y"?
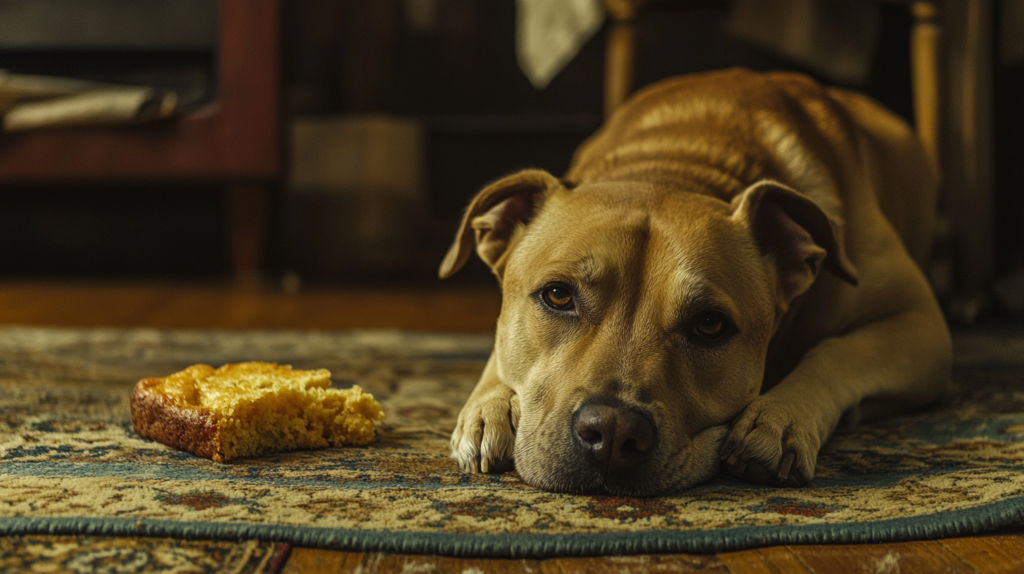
{"x": 549, "y": 34}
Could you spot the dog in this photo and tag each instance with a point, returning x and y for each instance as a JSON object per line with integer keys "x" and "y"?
{"x": 729, "y": 270}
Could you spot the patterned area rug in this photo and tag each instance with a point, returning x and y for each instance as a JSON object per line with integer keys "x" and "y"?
{"x": 124, "y": 555}
{"x": 71, "y": 464}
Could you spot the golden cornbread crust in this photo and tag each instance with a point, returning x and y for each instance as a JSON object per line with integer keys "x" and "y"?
{"x": 249, "y": 409}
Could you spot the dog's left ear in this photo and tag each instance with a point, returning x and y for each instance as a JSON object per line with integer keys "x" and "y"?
{"x": 801, "y": 237}
{"x": 494, "y": 215}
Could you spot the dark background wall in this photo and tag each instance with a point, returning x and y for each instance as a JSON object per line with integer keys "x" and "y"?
{"x": 483, "y": 119}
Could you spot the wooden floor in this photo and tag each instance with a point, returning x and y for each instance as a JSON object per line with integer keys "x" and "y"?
{"x": 966, "y": 555}
{"x": 464, "y": 309}
{"x": 164, "y": 305}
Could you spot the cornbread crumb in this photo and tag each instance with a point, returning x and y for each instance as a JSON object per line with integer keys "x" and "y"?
{"x": 250, "y": 409}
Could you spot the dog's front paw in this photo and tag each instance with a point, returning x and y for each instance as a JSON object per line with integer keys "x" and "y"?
{"x": 771, "y": 443}
{"x": 485, "y": 436}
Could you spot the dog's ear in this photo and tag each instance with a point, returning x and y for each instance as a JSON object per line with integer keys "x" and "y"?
{"x": 796, "y": 232}
{"x": 494, "y": 215}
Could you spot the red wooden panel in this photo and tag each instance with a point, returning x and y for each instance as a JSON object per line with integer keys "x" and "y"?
{"x": 237, "y": 138}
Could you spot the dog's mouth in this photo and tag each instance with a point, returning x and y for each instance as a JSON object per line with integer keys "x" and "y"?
{"x": 579, "y": 479}
{"x": 608, "y": 447}
{"x": 576, "y": 465}
{"x": 572, "y": 477}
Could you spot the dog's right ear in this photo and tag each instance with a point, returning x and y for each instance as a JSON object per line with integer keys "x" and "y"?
{"x": 494, "y": 215}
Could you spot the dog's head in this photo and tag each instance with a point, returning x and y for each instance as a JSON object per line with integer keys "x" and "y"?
{"x": 635, "y": 321}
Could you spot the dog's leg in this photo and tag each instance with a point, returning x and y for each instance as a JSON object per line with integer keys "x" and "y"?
{"x": 485, "y": 435}
{"x": 903, "y": 360}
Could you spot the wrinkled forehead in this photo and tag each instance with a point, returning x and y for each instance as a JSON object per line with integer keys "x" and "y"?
{"x": 591, "y": 233}
{"x": 629, "y": 236}
{"x": 607, "y": 228}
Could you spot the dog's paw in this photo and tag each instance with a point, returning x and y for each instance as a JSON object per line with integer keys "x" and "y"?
{"x": 771, "y": 443}
{"x": 485, "y": 437}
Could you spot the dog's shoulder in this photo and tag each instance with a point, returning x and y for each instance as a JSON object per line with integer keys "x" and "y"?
{"x": 716, "y": 133}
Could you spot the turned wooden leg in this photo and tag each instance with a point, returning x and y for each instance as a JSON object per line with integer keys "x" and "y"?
{"x": 619, "y": 54}
{"x": 967, "y": 141}
{"x": 924, "y": 55}
{"x": 246, "y": 211}
{"x": 925, "y": 62}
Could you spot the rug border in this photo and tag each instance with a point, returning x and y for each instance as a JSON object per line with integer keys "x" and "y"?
{"x": 1004, "y": 513}
{"x": 1008, "y": 512}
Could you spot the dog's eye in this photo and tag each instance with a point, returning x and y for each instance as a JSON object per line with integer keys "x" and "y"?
{"x": 711, "y": 325}
{"x": 558, "y": 297}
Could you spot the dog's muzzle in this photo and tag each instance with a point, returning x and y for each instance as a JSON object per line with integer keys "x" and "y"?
{"x": 615, "y": 439}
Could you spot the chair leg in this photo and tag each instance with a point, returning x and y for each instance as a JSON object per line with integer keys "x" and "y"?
{"x": 924, "y": 47}
{"x": 967, "y": 140}
{"x": 619, "y": 54}
{"x": 246, "y": 214}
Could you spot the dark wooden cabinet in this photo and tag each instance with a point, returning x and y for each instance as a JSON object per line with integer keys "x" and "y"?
{"x": 234, "y": 142}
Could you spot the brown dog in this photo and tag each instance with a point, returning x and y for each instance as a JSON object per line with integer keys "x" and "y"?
{"x": 726, "y": 272}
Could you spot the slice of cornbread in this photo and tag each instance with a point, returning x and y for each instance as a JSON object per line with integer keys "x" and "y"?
{"x": 249, "y": 409}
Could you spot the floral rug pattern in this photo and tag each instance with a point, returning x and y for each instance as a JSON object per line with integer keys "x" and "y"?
{"x": 71, "y": 464}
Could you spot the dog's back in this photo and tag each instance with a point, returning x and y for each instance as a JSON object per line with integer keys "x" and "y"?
{"x": 905, "y": 182}
{"x": 725, "y": 130}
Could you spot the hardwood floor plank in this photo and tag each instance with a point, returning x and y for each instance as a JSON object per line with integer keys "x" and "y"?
{"x": 316, "y": 561}
{"x": 411, "y": 564}
{"x": 989, "y": 554}
{"x": 221, "y": 306}
{"x": 770, "y": 560}
{"x": 310, "y": 561}
{"x": 922, "y": 556}
{"x": 683, "y": 563}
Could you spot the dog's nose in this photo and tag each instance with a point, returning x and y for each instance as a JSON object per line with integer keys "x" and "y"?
{"x": 613, "y": 437}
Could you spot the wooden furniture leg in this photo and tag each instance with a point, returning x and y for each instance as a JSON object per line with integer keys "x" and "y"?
{"x": 967, "y": 145}
{"x": 925, "y": 38}
{"x": 924, "y": 55}
{"x": 618, "y": 59}
{"x": 245, "y": 206}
